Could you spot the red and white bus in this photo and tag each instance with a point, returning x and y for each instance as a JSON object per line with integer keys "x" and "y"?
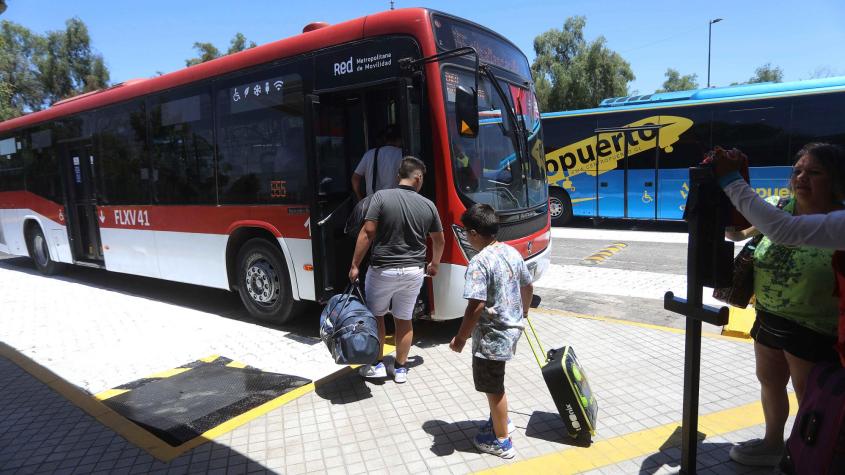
{"x": 235, "y": 173}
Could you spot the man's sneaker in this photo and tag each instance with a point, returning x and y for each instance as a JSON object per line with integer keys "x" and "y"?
{"x": 370, "y": 371}
{"x": 755, "y": 453}
{"x": 400, "y": 375}
{"x": 488, "y": 426}
{"x": 488, "y": 443}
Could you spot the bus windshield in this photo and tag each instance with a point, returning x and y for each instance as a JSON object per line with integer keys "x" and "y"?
{"x": 490, "y": 168}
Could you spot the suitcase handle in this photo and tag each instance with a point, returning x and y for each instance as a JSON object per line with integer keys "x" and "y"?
{"x": 537, "y": 339}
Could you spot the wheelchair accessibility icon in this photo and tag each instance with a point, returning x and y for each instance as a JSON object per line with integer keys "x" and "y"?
{"x": 646, "y": 197}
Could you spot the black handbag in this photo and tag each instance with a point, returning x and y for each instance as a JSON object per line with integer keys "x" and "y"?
{"x": 739, "y": 293}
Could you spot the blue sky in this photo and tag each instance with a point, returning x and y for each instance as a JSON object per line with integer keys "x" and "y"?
{"x": 141, "y": 37}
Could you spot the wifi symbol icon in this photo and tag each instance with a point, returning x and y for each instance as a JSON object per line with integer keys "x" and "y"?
{"x": 278, "y": 85}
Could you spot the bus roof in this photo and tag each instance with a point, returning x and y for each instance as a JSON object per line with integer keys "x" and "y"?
{"x": 406, "y": 20}
{"x": 711, "y": 95}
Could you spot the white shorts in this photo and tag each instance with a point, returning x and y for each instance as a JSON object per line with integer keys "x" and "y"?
{"x": 394, "y": 289}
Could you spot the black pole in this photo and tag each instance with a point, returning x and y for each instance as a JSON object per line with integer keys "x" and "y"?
{"x": 709, "y": 40}
{"x": 692, "y": 355}
{"x": 708, "y": 257}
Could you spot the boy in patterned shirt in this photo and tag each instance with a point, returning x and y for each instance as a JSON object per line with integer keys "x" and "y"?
{"x": 498, "y": 291}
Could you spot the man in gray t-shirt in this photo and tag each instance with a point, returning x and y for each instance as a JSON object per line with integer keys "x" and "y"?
{"x": 397, "y": 223}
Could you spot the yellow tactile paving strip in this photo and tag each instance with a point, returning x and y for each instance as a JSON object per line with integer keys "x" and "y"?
{"x": 619, "y": 449}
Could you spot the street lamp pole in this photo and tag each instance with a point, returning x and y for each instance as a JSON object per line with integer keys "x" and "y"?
{"x": 709, "y": 41}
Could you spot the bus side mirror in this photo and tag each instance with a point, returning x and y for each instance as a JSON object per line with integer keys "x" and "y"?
{"x": 466, "y": 111}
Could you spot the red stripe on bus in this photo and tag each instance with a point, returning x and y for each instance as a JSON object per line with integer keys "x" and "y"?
{"x": 282, "y": 221}
{"x": 291, "y": 221}
{"x": 27, "y": 200}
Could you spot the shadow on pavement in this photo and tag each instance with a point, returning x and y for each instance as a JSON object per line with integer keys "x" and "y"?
{"x": 452, "y": 437}
{"x": 549, "y": 427}
{"x": 346, "y": 389}
{"x": 628, "y": 224}
{"x": 220, "y": 302}
{"x": 430, "y": 333}
{"x": 709, "y": 454}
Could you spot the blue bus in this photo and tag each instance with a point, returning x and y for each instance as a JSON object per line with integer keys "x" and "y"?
{"x": 628, "y": 158}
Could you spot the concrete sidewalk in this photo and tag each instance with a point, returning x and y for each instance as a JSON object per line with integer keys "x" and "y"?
{"x": 342, "y": 424}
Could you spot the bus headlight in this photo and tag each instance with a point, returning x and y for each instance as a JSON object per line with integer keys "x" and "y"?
{"x": 466, "y": 247}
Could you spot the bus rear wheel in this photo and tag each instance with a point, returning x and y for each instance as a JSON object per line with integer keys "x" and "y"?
{"x": 263, "y": 282}
{"x": 560, "y": 206}
{"x": 39, "y": 252}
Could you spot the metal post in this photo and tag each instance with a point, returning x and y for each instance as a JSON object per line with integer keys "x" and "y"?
{"x": 692, "y": 356}
{"x": 709, "y": 42}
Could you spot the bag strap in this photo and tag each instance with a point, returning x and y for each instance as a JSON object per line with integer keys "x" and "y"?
{"x": 537, "y": 340}
{"x": 346, "y": 296}
{"x": 375, "y": 170}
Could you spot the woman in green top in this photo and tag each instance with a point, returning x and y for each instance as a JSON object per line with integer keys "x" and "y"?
{"x": 797, "y": 314}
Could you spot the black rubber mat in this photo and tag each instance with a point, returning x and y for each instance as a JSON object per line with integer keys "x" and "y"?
{"x": 181, "y": 407}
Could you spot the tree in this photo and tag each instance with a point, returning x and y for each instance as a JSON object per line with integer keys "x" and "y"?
{"x": 823, "y": 72}
{"x": 675, "y": 82}
{"x": 19, "y": 77}
{"x": 238, "y": 43}
{"x": 36, "y": 70}
{"x": 767, "y": 73}
{"x": 208, "y": 51}
{"x": 68, "y": 66}
{"x": 571, "y": 73}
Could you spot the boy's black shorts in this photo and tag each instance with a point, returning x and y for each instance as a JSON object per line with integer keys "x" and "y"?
{"x": 488, "y": 375}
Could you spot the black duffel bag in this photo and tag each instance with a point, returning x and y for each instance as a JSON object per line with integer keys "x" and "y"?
{"x": 349, "y": 329}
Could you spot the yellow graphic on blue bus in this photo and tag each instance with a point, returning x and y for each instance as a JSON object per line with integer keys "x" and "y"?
{"x": 601, "y": 153}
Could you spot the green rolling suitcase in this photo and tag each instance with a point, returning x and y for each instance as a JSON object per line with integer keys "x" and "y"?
{"x": 569, "y": 388}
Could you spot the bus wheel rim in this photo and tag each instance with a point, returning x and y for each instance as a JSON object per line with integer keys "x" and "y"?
{"x": 262, "y": 283}
{"x": 555, "y": 207}
{"x": 41, "y": 253}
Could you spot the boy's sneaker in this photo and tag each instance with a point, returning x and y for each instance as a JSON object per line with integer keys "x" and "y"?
{"x": 755, "y": 453}
{"x": 400, "y": 375}
{"x": 370, "y": 371}
{"x": 488, "y": 426}
{"x": 488, "y": 443}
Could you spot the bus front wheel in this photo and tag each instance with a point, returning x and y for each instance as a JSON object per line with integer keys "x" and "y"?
{"x": 39, "y": 252}
{"x": 263, "y": 282}
{"x": 560, "y": 206}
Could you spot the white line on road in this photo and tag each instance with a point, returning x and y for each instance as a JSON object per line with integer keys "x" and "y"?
{"x": 618, "y": 235}
{"x": 618, "y": 282}
{"x": 623, "y": 236}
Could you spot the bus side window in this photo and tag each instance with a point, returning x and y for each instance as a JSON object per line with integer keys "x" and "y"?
{"x": 182, "y": 148}
{"x": 260, "y": 137}
{"x": 124, "y": 165}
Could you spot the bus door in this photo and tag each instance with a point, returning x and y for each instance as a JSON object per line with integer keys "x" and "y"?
{"x": 344, "y": 125}
{"x": 641, "y": 160}
{"x": 83, "y": 221}
{"x": 608, "y": 167}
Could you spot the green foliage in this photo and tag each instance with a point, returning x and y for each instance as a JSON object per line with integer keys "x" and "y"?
{"x": 36, "y": 70}
{"x": 767, "y": 73}
{"x": 238, "y": 44}
{"x": 208, "y": 51}
{"x": 675, "y": 82}
{"x": 571, "y": 73}
{"x": 19, "y": 77}
{"x": 68, "y": 66}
